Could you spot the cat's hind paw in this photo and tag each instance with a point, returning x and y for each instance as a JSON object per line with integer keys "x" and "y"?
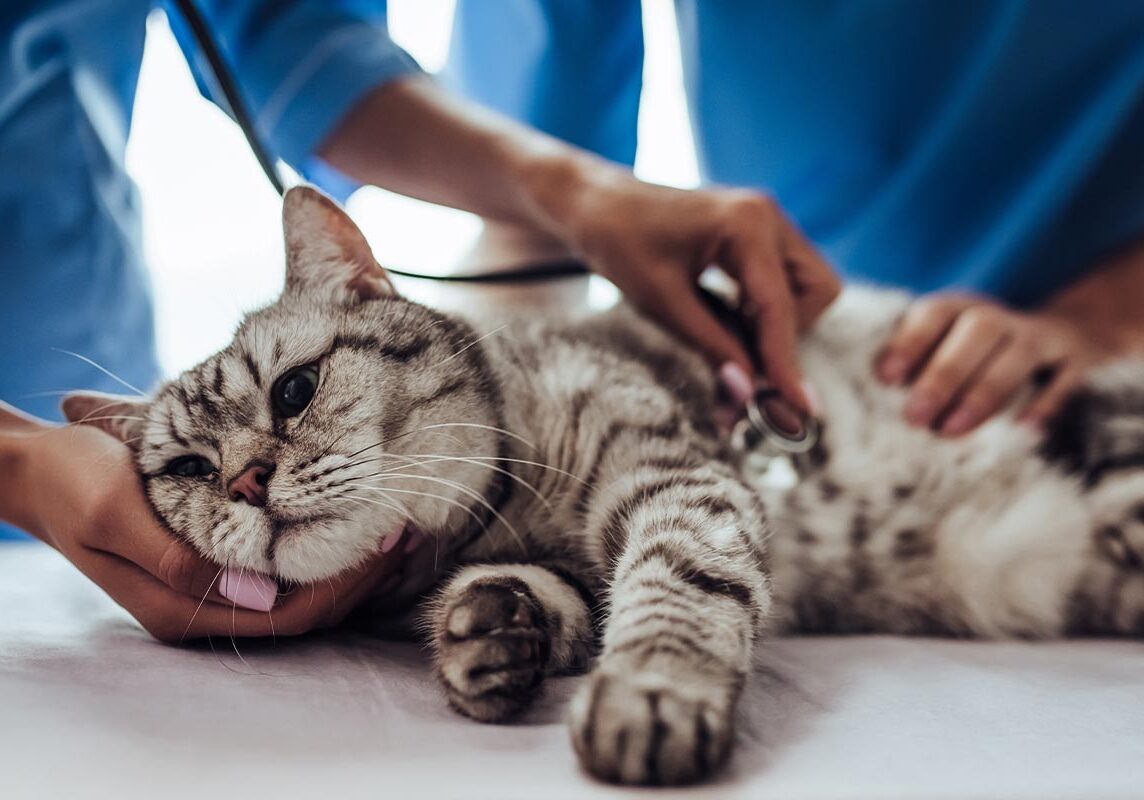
{"x": 646, "y": 729}
{"x": 492, "y": 649}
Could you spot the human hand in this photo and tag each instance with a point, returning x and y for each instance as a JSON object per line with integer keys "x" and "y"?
{"x": 654, "y": 241}
{"x": 967, "y": 357}
{"x": 85, "y": 499}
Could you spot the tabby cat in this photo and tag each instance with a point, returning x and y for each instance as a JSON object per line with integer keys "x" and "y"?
{"x": 584, "y": 510}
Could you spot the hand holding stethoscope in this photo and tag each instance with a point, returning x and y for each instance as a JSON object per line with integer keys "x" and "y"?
{"x": 770, "y": 426}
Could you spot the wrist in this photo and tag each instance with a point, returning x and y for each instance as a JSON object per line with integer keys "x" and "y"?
{"x": 560, "y": 187}
{"x": 19, "y": 435}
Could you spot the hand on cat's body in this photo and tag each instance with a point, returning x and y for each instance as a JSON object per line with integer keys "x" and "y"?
{"x": 81, "y": 495}
{"x": 967, "y": 357}
{"x": 653, "y": 242}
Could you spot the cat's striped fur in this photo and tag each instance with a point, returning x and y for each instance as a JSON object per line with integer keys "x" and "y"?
{"x": 583, "y": 506}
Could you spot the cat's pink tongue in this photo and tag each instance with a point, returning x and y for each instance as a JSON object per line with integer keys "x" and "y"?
{"x": 248, "y": 589}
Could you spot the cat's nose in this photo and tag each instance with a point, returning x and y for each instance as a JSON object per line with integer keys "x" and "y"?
{"x": 251, "y": 484}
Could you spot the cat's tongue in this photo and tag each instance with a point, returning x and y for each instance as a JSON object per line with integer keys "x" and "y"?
{"x": 248, "y": 589}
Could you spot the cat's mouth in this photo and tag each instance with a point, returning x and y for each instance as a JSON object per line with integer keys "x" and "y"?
{"x": 290, "y": 555}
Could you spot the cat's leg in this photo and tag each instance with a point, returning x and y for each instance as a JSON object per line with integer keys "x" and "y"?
{"x": 688, "y": 594}
{"x": 498, "y": 629}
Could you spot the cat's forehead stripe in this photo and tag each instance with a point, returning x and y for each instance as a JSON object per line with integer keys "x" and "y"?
{"x": 252, "y": 368}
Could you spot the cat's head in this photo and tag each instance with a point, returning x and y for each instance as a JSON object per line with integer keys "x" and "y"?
{"x": 336, "y": 416}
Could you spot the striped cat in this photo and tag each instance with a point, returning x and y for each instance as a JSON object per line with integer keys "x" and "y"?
{"x": 584, "y": 510}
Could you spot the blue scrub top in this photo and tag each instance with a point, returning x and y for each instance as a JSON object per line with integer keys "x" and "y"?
{"x": 71, "y": 270}
{"x": 990, "y": 146}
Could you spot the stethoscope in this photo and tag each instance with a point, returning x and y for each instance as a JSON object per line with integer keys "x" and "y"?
{"x": 758, "y": 432}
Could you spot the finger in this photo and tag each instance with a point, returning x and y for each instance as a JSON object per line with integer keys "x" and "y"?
{"x": 814, "y": 284}
{"x": 166, "y": 614}
{"x": 1002, "y": 377}
{"x": 177, "y": 565}
{"x": 1052, "y": 398}
{"x": 971, "y": 341}
{"x": 679, "y": 307}
{"x": 920, "y": 331}
{"x": 813, "y": 295}
{"x": 778, "y": 349}
{"x": 765, "y": 287}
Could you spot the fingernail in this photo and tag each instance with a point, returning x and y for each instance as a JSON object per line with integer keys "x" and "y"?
{"x": 248, "y": 589}
{"x": 390, "y": 541}
{"x": 415, "y": 541}
{"x": 892, "y": 368}
{"x": 920, "y": 410}
{"x": 736, "y": 381}
{"x": 958, "y": 423}
{"x": 812, "y": 398}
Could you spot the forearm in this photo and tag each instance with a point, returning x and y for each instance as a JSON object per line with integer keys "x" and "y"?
{"x": 411, "y": 137}
{"x": 1107, "y": 302}
{"x": 18, "y": 433}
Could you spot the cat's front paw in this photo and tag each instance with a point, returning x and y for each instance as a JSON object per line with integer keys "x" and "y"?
{"x": 643, "y": 728}
{"x": 492, "y": 649}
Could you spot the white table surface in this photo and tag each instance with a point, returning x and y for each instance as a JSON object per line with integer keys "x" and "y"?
{"x": 90, "y": 707}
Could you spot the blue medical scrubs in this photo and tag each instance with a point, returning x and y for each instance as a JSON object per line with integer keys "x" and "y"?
{"x": 991, "y": 146}
{"x": 71, "y": 271}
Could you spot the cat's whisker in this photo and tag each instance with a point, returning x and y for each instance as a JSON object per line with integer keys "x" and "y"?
{"x": 348, "y": 495}
{"x": 478, "y": 463}
{"x": 88, "y": 420}
{"x": 102, "y": 369}
{"x": 476, "y": 341}
{"x": 493, "y": 428}
{"x": 419, "y": 460}
{"x": 469, "y": 492}
{"x": 210, "y": 641}
{"x": 431, "y": 495}
{"x": 384, "y": 442}
{"x": 524, "y": 461}
{"x": 232, "y": 635}
{"x": 330, "y": 446}
{"x": 333, "y": 593}
{"x": 199, "y": 607}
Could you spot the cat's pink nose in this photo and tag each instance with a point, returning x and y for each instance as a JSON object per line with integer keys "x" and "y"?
{"x": 251, "y": 485}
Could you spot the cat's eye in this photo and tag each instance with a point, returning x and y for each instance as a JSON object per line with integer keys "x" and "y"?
{"x": 294, "y": 391}
{"x": 190, "y": 467}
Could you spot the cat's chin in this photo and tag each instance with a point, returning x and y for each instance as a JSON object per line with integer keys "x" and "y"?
{"x": 319, "y": 550}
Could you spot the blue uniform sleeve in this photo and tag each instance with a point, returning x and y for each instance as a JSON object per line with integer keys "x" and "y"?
{"x": 571, "y": 68}
{"x": 301, "y": 66}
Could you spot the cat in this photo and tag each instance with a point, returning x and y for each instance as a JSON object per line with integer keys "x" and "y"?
{"x": 586, "y": 513}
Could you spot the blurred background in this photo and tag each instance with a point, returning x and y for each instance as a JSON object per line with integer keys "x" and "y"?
{"x": 212, "y": 231}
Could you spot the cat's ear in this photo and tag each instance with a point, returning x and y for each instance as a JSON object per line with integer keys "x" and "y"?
{"x": 122, "y": 417}
{"x": 326, "y": 255}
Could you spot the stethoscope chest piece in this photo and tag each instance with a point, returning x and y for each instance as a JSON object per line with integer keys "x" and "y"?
{"x": 772, "y": 428}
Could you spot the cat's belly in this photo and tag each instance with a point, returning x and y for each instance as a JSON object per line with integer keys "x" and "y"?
{"x": 892, "y": 528}
{"x": 899, "y": 531}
